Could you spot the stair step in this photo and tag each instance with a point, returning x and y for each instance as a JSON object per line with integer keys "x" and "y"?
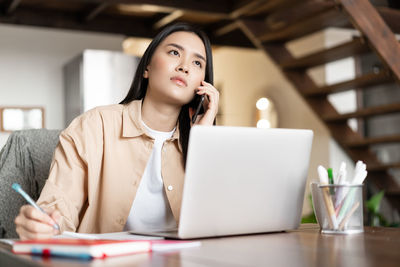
{"x": 330, "y": 18}
{"x": 382, "y": 167}
{"x": 373, "y": 141}
{"x": 363, "y": 113}
{"x": 361, "y": 82}
{"x": 352, "y": 48}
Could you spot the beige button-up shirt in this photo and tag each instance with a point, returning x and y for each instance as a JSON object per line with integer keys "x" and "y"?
{"x": 98, "y": 165}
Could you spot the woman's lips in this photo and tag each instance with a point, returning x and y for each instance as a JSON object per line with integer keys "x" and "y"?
{"x": 179, "y": 81}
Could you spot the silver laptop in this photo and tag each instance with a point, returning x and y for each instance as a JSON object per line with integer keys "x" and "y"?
{"x": 242, "y": 180}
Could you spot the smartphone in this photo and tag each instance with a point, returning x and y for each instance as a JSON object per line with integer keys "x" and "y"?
{"x": 197, "y": 104}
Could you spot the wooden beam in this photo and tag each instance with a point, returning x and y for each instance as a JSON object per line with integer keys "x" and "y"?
{"x": 11, "y": 6}
{"x": 368, "y": 21}
{"x": 211, "y": 6}
{"x": 226, "y": 29}
{"x": 246, "y": 9}
{"x": 273, "y": 5}
{"x": 329, "y": 18}
{"x": 52, "y": 19}
{"x": 243, "y": 9}
{"x": 94, "y": 12}
{"x": 252, "y": 29}
{"x": 232, "y": 38}
{"x": 168, "y": 19}
{"x": 296, "y": 12}
{"x": 128, "y": 26}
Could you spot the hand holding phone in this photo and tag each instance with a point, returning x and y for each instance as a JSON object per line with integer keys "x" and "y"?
{"x": 205, "y": 102}
{"x": 198, "y": 108}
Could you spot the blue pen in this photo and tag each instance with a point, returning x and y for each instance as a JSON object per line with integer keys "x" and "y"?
{"x": 18, "y": 188}
{"x": 48, "y": 252}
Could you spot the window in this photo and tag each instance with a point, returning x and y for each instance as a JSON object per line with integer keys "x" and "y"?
{"x": 21, "y": 118}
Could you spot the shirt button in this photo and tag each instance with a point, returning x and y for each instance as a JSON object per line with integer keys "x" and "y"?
{"x": 170, "y": 187}
{"x": 120, "y": 221}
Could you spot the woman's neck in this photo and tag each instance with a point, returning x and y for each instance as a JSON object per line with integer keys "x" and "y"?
{"x": 159, "y": 116}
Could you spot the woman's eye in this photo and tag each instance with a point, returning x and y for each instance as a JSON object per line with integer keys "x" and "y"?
{"x": 198, "y": 63}
{"x": 174, "y": 52}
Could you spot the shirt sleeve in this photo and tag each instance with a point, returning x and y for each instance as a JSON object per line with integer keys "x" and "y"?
{"x": 66, "y": 189}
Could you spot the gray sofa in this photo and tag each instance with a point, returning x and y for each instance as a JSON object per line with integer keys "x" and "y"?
{"x": 24, "y": 159}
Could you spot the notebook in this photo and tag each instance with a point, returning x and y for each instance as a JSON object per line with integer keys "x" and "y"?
{"x": 87, "y": 249}
{"x": 81, "y": 248}
{"x": 242, "y": 180}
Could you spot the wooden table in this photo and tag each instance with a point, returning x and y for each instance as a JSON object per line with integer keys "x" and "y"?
{"x": 303, "y": 247}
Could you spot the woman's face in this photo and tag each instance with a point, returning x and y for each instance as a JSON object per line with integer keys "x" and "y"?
{"x": 176, "y": 68}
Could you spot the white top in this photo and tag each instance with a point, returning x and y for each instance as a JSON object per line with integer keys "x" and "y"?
{"x": 150, "y": 209}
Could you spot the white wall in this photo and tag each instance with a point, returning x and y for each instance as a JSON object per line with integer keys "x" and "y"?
{"x": 31, "y": 61}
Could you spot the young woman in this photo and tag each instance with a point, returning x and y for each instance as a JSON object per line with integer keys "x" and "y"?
{"x": 121, "y": 167}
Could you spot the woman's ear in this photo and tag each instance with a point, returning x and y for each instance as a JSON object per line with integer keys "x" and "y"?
{"x": 146, "y": 74}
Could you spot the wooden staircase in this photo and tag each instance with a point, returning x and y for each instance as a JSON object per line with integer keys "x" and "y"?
{"x": 286, "y": 20}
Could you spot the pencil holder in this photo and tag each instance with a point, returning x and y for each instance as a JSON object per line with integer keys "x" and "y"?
{"x": 338, "y": 208}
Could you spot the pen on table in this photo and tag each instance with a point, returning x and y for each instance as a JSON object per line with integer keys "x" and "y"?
{"x": 19, "y": 190}
{"x": 323, "y": 176}
{"x": 49, "y": 253}
{"x": 359, "y": 178}
{"x": 340, "y": 180}
{"x": 347, "y": 217}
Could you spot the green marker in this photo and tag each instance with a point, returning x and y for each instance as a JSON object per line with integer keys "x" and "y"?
{"x": 330, "y": 176}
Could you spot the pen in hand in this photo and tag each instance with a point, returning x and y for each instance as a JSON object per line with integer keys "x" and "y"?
{"x": 19, "y": 190}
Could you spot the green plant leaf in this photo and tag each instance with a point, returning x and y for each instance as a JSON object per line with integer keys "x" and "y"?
{"x": 374, "y": 202}
{"x": 309, "y": 218}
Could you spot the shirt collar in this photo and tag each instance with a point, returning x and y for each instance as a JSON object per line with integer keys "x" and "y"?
{"x": 131, "y": 122}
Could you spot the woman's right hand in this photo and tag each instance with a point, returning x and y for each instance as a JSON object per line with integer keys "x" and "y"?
{"x": 34, "y": 224}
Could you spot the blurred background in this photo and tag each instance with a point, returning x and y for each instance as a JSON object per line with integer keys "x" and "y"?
{"x": 306, "y": 64}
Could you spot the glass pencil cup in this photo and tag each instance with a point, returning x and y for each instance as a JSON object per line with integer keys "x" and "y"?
{"x": 338, "y": 208}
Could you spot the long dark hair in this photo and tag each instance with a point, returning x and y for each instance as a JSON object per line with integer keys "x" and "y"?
{"x": 139, "y": 85}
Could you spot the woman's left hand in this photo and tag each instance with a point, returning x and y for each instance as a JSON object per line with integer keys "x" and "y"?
{"x": 210, "y": 103}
